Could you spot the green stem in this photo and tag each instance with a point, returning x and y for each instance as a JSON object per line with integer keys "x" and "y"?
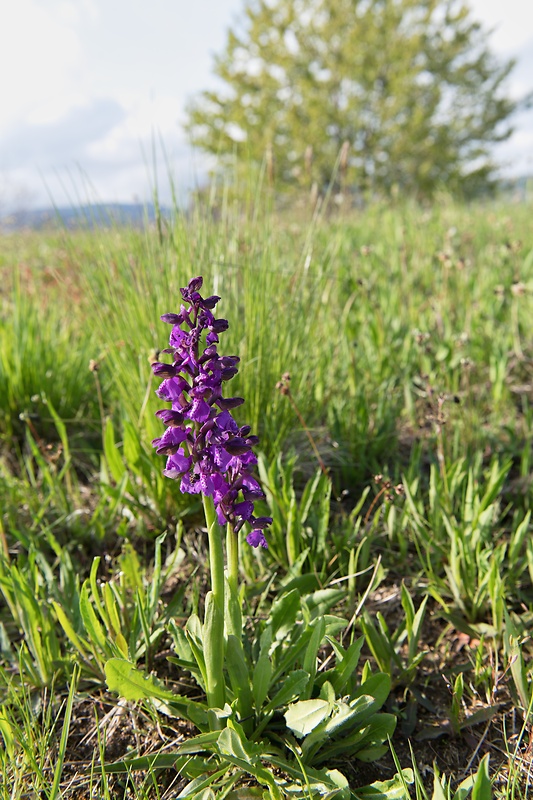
{"x": 216, "y": 551}
{"x": 234, "y": 620}
{"x": 214, "y": 617}
{"x": 232, "y": 549}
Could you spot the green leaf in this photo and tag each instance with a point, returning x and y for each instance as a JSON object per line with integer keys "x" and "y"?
{"x": 380, "y": 645}
{"x": 262, "y": 675}
{"x": 408, "y": 607}
{"x": 311, "y": 653}
{"x": 8, "y": 734}
{"x": 293, "y": 685}
{"x": 378, "y": 686}
{"x": 132, "y": 684}
{"x": 482, "y": 789}
{"x": 304, "y": 716}
{"x": 321, "y": 601}
{"x": 245, "y": 755}
{"x": 393, "y": 789}
{"x": 95, "y": 632}
{"x": 345, "y": 669}
{"x": 354, "y": 715}
{"x": 67, "y": 626}
{"x": 112, "y": 456}
{"x": 239, "y": 676}
{"x": 283, "y": 614}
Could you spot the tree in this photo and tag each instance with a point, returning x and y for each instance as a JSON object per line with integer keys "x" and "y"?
{"x": 396, "y": 93}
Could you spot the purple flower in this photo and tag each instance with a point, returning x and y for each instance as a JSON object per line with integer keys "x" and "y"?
{"x": 206, "y": 449}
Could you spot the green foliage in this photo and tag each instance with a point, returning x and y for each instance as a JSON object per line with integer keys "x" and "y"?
{"x": 387, "y": 646}
{"x": 522, "y": 682}
{"x": 467, "y": 564}
{"x": 40, "y": 369}
{"x": 299, "y": 531}
{"x": 383, "y": 319}
{"x": 28, "y": 730}
{"x": 415, "y": 109}
{"x": 331, "y": 711}
{"x": 477, "y": 786}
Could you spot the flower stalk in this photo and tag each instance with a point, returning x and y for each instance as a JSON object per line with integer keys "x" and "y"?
{"x": 210, "y": 455}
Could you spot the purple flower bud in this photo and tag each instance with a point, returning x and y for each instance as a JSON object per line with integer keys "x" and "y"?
{"x": 244, "y": 510}
{"x": 172, "y": 319}
{"x": 262, "y": 522}
{"x": 169, "y": 443}
{"x": 225, "y": 403}
{"x": 228, "y": 374}
{"x": 170, "y": 417}
{"x": 210, "y": 302}
{"x": 229, "y": 361}
{"x": 209, "y": 352}
{"x": 237, "y": 446}
{"x": 161, "y": 370}
{"x": 219, "y": 325}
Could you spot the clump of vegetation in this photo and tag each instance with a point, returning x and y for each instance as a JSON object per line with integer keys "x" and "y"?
{"x": 394, "y": 599}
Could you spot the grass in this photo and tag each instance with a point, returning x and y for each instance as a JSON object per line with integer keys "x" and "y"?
{"x": 407, "y": 336}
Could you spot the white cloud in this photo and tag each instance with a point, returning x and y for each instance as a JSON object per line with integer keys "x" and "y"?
{"x": 41, "y": 54}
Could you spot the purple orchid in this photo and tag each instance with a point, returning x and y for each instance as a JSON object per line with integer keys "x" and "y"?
{"x": 206, "y": 448}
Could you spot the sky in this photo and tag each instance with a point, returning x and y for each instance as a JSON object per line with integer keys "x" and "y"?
{"x": 90, "y": 86}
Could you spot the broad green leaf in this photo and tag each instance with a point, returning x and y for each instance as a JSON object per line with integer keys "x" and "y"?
{"x": 239, "y": 676}
{"x": 8, "y": 734}
{"x": 129, "y": 682}
{"x": 345, "y": 669}
{"x": 304, "y": 716}
{"x": 283, "y": 614}
{"x": 230, "y": 743}
{"x": 132, "y": 684}
{"x": 393, "y": 789}
{"x": 111, "y": 608}
{"x": 408, "y": 607}
{"x": 378, "y": 686}
{"x": 245, "y": 755}
{"x": 293, "y": 685}
{"x": 213, "y": 641}
{"x": 464, "y": 788}
{"x": 323, "y": 600}
{"x": 132, "y": 445}
{"x": 438, "y": 790}
{"x": 414, "y": 637}
{"x": 181, "y": 643}
{"x": 356, "y": 714}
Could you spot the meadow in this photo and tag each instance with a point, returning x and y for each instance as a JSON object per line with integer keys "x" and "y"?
{"x": 395, "y": 598}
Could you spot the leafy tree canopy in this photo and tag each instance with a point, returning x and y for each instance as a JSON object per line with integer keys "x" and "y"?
{"x": 396, "y": 93}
